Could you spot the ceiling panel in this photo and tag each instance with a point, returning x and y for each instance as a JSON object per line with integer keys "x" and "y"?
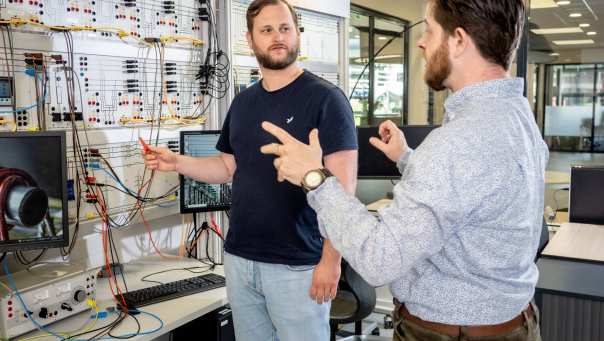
{"x": 544, "y": 16}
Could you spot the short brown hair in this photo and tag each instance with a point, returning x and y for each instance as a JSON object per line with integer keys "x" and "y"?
{"x": 494, "y": 25}
{"x": 257, "y": 5}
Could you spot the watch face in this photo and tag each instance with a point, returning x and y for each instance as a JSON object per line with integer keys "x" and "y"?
{"x": 313, "y": 179}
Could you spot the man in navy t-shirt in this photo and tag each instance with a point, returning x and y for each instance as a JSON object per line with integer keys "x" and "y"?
{"x": 280, "y": 272}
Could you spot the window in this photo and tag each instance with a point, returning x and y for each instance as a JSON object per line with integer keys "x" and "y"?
{"x": 571, "y": 108}
{"x": 567, "y": 78}
{"x": 378, "y": 67}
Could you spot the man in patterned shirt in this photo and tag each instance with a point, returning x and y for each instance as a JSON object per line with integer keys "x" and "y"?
{"x": 458, "y": 241}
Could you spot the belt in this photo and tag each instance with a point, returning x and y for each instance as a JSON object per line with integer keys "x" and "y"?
{"x": 471, "y": 331}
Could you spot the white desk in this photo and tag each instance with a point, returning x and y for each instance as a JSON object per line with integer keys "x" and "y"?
{"x": 577, "y": 241}
{"x": 174, "y": 313}
{"x": 571, "y": 273}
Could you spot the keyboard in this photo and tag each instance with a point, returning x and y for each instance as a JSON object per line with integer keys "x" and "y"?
{"x": 168, "y": 291}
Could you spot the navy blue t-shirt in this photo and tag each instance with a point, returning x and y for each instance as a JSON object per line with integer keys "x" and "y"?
{"x": 270, "y": 221}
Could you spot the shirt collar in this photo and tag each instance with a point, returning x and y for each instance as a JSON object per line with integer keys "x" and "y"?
{"x": 498, "y": 88}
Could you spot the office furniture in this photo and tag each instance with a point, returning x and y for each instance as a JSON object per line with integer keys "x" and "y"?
{"x": 174, "y": 313}
{"x": 570, "y": 290}
{"x": 586, "y": 195}
{"x": 543, "y": 239}
{"x": 215, "y": 326}
{"x": 354, "y": 301}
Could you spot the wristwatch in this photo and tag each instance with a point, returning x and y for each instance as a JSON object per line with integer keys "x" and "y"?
{"x": 314, "y": 179}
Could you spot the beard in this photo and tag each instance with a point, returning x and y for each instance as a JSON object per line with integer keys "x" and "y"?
{"x": 268, "y": 62}
{"x": 438, "y": 68}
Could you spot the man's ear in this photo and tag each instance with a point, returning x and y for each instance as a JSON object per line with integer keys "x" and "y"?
{"x": 248, "y": 37}
{"x": 459, "y": 42}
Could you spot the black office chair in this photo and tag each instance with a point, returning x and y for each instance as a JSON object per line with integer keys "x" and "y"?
{"x": 354, "y": 302}
{"x": 543, "y": 240}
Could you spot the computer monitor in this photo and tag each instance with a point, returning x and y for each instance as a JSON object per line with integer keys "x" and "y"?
{"x": 586, "y": 195}
{"x": 373, "y": 164}
{"x": 198, "y": 196}
{"x": 33, "y": 191}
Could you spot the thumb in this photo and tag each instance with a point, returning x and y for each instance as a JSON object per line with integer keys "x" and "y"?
{"x": 154, "y": 149}
{"x": 377, "y": 143}
{"x": 313, "y": 138}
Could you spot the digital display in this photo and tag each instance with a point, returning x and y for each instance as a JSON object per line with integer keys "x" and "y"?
{"x": 198, "y": 196}
{"x": 6, "y": 88}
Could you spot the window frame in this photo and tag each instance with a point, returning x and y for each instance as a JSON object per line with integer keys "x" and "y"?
{"x": 598, "y": 66}
{"x": 372, "y": 16}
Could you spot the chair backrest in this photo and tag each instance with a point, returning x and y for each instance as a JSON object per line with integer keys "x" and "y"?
{"x": 543, "y": 240}
{"x": 363, "y": 292}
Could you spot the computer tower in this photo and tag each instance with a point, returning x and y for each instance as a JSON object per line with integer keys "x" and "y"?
{"x": 214, "y": 326}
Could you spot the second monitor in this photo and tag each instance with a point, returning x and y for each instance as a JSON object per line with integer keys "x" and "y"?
{"x": 198, "y": 196}
{"x": 373, "y": 164}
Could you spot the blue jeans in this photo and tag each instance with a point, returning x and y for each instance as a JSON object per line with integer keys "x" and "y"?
{"x": 271, "y": 302}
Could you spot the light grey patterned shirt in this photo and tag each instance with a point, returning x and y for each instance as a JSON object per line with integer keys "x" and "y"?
{"x": 457, "y": 243}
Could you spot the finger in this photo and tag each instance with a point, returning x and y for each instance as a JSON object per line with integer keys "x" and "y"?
{"x": 277, "y": 132}
{"x": 387, "y": 129}
{"x": 153, "y": 149}
{"x": 321, "y": 295}
{"x": 152, "y": 164}
{"x": 273, "y": 148}
{"x": 277, "y": 163}
{"x": 149, "y": 157}
{"x": 333, "y": 292}
{"x": 313, "y": 138}
{"x": 281, "y": 172}
{"x": 313, "y": 292}
{"x": 379, "y": 144}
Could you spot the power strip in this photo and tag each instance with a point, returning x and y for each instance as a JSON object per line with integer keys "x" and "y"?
{"x": 51, "y": 292}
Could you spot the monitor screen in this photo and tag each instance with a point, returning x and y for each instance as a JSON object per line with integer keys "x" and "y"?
{"x": 6, "y": 92}
{"x": 373, "y": 164}
{"x": 198, "y": 196}
{"x": 586, "y": 195}
{"x": 33, "y": 198}
{"x": 5, "y": 88}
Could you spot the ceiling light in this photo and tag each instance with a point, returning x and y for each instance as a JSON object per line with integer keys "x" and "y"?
{"x": 584, "y": 25}
{"x": 554, "y": 54}
{"x": 592, "y": 33}
{"x": 563, "y": 3}
{"x": 559, "y": 30}
{"x": 575, "y": 15}
{"x": 573, "y": 42}
{"x": 540, "y": 4}
{"x": 382, "y": 38}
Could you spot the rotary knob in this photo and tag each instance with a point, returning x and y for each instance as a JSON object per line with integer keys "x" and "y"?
{"x": 79, "y": 296}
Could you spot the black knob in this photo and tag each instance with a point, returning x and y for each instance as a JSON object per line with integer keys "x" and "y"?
{"x": 43, "y": 313}
{"x": 79, "y": 296}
